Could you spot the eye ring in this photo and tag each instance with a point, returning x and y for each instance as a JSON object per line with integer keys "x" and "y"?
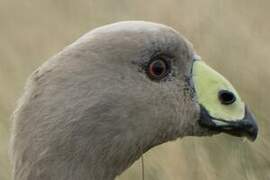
{"x": 226, "y": 97}
{"x": 157, "y": 69}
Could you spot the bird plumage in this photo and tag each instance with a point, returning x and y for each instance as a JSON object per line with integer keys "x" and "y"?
{"x": 91, "y": 110}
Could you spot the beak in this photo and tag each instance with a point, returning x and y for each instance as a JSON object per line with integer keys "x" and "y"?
{"x": 245, "y": 127}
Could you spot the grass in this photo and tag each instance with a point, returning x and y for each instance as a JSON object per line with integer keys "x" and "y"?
{"x": 232, "y": 36}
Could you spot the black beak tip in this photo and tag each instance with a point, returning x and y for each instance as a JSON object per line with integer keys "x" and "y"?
{"x": 245, "y": 128}
{"x": 252, "y": 132}
{"x": 250, "y": 125}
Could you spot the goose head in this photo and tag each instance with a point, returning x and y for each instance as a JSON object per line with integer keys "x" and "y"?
{"x": 95, "y": 107}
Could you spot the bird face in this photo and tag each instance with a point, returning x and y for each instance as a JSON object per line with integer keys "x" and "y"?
{"x": 181, "y": 94}
{"x": 174, "y": 93}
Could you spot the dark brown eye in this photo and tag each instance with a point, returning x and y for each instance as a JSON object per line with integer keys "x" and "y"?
{"x": 157, "y": 69}
{"x": 226, "y": 97}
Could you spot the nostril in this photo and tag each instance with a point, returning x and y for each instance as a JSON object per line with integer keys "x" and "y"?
{"x": 226, "y": 97}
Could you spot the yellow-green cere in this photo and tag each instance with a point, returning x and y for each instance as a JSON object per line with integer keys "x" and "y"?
{"x": 208, "y": 83}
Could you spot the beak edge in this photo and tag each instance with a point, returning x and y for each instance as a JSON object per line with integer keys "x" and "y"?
{"x": 245, "y": 127}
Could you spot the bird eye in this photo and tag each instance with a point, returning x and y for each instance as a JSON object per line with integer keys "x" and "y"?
{"x": 226, "y": 97}
{"x": 157, "y": 69}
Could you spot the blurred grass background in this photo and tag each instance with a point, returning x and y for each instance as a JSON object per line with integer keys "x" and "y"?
{"x": 232, "y": 36}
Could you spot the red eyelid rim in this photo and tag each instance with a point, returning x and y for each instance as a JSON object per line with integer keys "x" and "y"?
{"x": 151, "y": 68}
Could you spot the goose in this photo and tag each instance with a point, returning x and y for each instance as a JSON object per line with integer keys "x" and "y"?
{"x": 92, "y": 110}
